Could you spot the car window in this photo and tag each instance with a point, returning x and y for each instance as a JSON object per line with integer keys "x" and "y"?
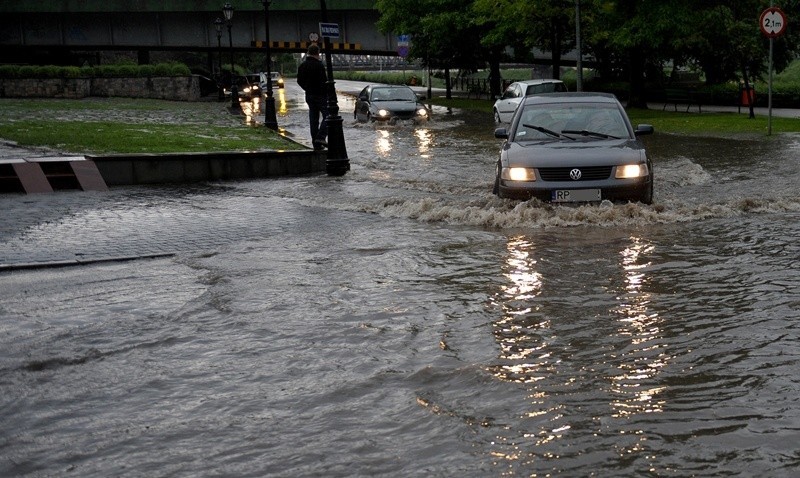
{"x": 545, "y": 88}
{"x": 594, "y": 117}
{"x": 393, "y": 94}
{"x": 509, "y": 93}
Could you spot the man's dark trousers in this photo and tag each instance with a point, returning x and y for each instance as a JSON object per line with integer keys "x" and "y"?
{"x": 317, "y": 107}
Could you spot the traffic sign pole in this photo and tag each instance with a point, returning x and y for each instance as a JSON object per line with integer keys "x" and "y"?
{"x": 772, "y": 24}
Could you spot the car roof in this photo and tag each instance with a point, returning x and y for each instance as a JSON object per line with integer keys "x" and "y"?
{"x": 571, "y": 97}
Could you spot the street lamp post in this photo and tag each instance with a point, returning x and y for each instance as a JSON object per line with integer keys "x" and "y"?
{"x": 227, "y": 10}
{"x": 337, "y": 163}
{"x": 270, "y": 119}
{"x": 218, "y": 26}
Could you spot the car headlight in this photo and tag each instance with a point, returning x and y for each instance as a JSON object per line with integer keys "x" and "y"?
{"x": 422, "y": 112}
{"x": 518, "y": 174}
{"x": 246, "y": 90}
{"x": 629, "y": 171}
{"x": 383, "y": 113}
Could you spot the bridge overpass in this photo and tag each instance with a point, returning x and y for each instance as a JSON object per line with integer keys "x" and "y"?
{"x": 62, "y": 26}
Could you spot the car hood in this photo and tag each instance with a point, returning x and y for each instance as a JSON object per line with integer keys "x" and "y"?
{"x": 579, "y": 152}
{"x": 395, "y": 105}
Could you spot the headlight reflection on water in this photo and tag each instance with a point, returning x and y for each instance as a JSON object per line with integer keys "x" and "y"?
{"x": 640, "y": 364}
{"x": 517, "y": 332}
{"x": 384, "y": 143}
{"x": 533, "y": 353}
{"x": 424, "y": 141}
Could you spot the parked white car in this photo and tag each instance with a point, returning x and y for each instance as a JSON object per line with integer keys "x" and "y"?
{"x": 506, "y": 105}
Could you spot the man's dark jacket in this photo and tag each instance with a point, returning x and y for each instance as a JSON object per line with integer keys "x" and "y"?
{"x": 311, "y": 76}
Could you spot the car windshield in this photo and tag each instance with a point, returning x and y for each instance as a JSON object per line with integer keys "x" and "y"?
{"x": 393, "y": 94}
{"x": 569, "y": 121}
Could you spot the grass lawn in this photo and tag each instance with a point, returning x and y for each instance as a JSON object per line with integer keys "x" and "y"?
{"x": 123, "y": 125}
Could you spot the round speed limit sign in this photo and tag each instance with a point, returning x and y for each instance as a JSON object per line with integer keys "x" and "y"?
{"x": 773, "y": 22}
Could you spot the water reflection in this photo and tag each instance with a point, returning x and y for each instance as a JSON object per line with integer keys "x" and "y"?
{"x": 642, "y": 360}
{"x": 280, "y": 101}
{"x": 253, "y": 109}
{"x": 384, "y": 144}
{"x": 424, "y": 141}
{"x": 519, "y": 330}
{"x": 546, "y": 356}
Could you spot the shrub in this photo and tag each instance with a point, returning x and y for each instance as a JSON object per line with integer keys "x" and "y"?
{"x": 179, "y": 69}
{"x": 147, "y": 71}
{"x": 9, "y": 71}
{"x": 71, "y": 72}
{"x": 127, "y": 70}
{"x": 27, "y": 71}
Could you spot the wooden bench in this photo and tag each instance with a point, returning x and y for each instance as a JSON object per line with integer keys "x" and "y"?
{"x": 683, "y": 96}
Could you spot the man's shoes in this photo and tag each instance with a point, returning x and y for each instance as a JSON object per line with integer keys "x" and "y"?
{"x": 320, "y": 144}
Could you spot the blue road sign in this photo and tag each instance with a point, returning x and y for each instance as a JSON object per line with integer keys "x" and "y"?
{"x": 329, "y": 30}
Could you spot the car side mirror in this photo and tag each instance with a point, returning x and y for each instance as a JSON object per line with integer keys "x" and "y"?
{"x": 501, "y": 133}
{"x": 643, "y": 129}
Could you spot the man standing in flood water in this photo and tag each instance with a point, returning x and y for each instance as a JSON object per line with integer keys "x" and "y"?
{"x": 312, "y": 79}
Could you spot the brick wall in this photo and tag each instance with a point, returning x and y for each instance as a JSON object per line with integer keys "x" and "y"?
{"x": 180, "y": 88}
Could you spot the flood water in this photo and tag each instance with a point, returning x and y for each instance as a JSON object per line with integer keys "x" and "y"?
{"x": 402, "y": 321}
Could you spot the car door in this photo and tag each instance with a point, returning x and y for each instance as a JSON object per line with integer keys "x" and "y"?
{"x": 508, "y": 102}
{"x": 362, "y": 104}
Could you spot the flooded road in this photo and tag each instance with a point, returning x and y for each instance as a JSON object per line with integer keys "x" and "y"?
{"x": 402, "y": 321}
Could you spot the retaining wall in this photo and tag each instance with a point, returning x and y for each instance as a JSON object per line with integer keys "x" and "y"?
{"x": 179, "y": 88}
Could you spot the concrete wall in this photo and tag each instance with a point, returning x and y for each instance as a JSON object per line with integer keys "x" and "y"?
{"x": 181, "y": 168}
{"x": 179, "y": 88}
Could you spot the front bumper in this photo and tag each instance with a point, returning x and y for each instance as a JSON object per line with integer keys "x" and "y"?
{"x": 619, "y": 190}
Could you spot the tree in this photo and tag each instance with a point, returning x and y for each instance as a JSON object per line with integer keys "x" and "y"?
{"x": 528, "y": 24}
{"x": 442, "y": 32}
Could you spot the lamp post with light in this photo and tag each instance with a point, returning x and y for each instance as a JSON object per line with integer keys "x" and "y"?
{"x": 227, "y": 10}
{"x": 337, "y": 163}
{"x": 218, "y": 26}
{"x": 270, "y": 119}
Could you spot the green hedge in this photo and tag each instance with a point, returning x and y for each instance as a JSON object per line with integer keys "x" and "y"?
{"x": 105, "y": 71}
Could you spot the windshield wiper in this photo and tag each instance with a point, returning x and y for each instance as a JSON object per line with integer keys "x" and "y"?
{"x": 594, "y": 134}
{"x": 544, "y": 130}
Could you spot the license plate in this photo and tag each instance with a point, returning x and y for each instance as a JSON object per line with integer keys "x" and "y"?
{"x": 575, "y": 195}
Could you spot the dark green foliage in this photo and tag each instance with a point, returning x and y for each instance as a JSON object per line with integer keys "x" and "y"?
{"x": 104, "y": 71}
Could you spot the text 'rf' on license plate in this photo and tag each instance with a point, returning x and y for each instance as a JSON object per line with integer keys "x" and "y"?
{"x": 575, "y": 195}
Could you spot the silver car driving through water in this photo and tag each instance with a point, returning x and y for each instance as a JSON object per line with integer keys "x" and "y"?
{"x": 389, "y": 103}
{"x": 573, "y": 147}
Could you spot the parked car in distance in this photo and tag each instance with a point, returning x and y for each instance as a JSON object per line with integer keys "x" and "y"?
{"x": 507, "y": 103}
{"x": 573, "y": 147}
{"x": 277, "y": 80}
{"x": 389, "y": 103}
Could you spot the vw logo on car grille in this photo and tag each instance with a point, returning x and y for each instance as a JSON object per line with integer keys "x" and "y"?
{"x": 575, "y": 174}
